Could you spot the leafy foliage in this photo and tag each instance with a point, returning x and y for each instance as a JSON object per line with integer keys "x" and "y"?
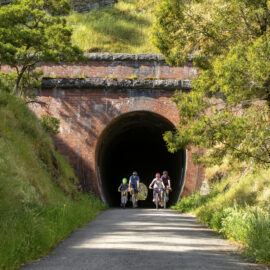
{"x": 30, "y": 33}
{"x": 51, "y": 124}
{"x": 207, "y": 28}
{"x": 7, "y": 81}
{"x": 227, "y": 112}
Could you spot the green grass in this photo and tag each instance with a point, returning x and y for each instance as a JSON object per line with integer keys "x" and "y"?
{"x": 123, "y": 28}
{"x": 238, "y": 208}
{"x": 39, "y": 199}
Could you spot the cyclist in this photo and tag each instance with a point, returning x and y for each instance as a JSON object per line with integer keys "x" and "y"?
{"x": 166, "y": 181}
{"x": 123, "y": 188}
{"x": 158, "y": 184}
{"x": 134, "y": 184}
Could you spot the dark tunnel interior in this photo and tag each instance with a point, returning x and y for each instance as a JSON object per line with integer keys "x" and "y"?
{"x": 134, "y": 141}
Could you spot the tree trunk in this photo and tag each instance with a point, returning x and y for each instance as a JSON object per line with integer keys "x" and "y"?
{"x": 18, "y": 80}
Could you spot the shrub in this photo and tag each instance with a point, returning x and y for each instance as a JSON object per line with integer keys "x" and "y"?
{"x": 50, "y": 124}
{"x": 258, "y": 236}
{"x": 192, "y": 202}
{"x": 239, "y": 212}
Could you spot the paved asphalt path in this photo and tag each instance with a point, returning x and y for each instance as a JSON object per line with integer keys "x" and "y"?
{"x": 142, "y": 239}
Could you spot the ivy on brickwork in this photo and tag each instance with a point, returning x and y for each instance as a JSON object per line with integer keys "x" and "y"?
{"x": 51, "y": 124}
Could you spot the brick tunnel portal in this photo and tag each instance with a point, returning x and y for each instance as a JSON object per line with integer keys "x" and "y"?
{"x": 134, "y": 141}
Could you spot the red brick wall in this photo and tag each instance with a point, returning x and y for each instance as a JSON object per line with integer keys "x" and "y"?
{"x": 84, "y": 114}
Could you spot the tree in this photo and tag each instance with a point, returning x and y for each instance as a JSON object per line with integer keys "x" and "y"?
{"x": 207, "y": 28}
{"x": 32, "y": 31}
{"x": 227, "y": 112}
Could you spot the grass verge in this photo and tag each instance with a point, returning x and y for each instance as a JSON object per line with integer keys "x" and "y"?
{"x": 40, "y": 203}
{"x": 123, "y": 28}
{"x": 238, "y": 208}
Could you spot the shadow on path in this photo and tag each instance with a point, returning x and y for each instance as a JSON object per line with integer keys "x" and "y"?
{"x": 143, "y": 239}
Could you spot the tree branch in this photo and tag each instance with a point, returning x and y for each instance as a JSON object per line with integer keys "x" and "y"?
{"x": 36, "y": 101}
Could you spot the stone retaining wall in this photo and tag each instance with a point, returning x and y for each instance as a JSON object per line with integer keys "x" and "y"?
{"x": 117, "y": 66}
{"x": 86, "y": 5}
{"x": 96, "y": 83}
{"x": 80, "y": 5}
{"x": 4, "y": 2}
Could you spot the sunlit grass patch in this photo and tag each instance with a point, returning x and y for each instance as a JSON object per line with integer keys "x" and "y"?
{"x": 40, "y": 203}
{"x": 122, "y": 28}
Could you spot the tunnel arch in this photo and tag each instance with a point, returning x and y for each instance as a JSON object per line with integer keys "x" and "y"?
{"x": 133, "y": 141}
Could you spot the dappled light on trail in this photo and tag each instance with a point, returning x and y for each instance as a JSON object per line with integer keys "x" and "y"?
{"x": 143, "y": 239}
{"x": 152, "y": 230}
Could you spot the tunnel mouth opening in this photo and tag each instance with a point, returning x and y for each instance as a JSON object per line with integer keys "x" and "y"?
{"x": 134, "y": 142}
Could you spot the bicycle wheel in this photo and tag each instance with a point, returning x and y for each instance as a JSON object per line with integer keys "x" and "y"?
{"x": 125, "y": 200}
{"x": 164, "y": 199}
{"x": 156, "y": 199}
{"x": 133, "y": 200}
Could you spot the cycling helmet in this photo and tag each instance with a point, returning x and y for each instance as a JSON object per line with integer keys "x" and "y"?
{"x": 165, "y": 172}
{"x": 135, "y": 173}
{"x": 157, "y": 174}
{"x": 124, "y": 180}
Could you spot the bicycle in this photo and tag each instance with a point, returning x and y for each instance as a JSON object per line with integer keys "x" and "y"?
{"x": 133, "y": 198}
{"x": 156, "y": 196}
{"x": 165, "y": 196}
{"x": 124, "y": 198}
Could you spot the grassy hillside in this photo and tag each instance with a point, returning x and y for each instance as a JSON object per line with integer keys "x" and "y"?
{"x": 39, "y": 199}
{"x": 237, "y": 207}
{"x": 125, "y": 28}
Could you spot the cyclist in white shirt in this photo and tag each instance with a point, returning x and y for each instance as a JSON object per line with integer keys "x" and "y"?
{"x": 158, "y": 184}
